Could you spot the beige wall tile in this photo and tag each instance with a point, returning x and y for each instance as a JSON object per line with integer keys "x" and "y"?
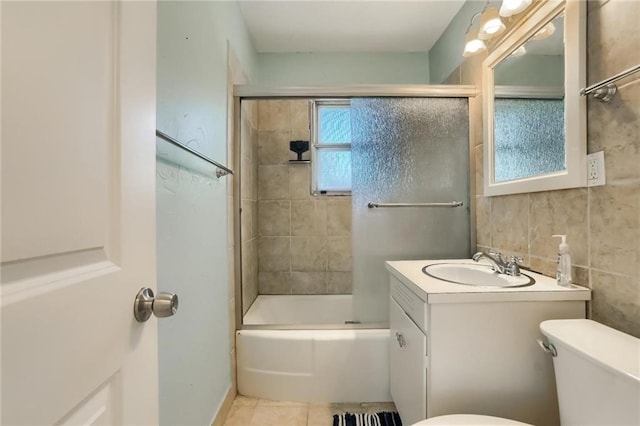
{"x": 580, "y": 276}
{"x": 339, "y": 282}
{"x": 339, "y": 216}
{"x": 273, "y": 115}
{"x": 248, "y": 160}
{"x": 247, "y": 220}
{"x": 308, "y": 283}
{"x": 615, "y": 228}
{"x": 548, "y": 267}
{"x": 339, "y": 256}
{"x": 471, "y": 70}
{"x": 543, "y": 266}
{"x": 308, "y": 254}
{"x": 274, "y": 218}
{"x": 300, "y": 181}
{"x": 274, "y": 254}
{"x": 509, "y": 223}
{"x": 483, "y": 221}
{"x": 249, "y": 273}
{"x": 559, "y": 212}
{"x": 479, "y": 153}
{"x": 299, "y": 114}
{"x": 616, "y": 301}
{"x": 273, "y": 182}
{"x": 250, "y": 111}
{"x": 309, "y": 218}
{"x": 609, "y": 44}
{"x": 615, "y": 128}
{"x": 274, "y": 282}
{"x": 273, "y": 147}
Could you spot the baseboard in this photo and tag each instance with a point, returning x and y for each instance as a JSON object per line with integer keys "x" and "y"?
{"x": 225, "y": 407}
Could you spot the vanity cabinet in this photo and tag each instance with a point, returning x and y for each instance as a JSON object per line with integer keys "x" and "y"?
{"x": 408, "y": 369}
{"x": 459, "y": 350}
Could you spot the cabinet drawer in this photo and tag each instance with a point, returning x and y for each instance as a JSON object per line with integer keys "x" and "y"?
{"x": 415, "y": 307}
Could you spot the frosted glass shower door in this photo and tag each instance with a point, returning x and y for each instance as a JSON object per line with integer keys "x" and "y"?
{"x": 406, "y": 150}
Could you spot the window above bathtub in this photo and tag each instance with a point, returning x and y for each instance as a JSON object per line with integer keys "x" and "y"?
{"x": 331, "y": 147}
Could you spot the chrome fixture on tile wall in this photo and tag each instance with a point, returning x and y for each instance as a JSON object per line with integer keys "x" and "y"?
{"x": 605, "y": 90}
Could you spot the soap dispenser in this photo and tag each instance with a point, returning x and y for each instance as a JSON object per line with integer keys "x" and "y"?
{"x": 563, "y": 273}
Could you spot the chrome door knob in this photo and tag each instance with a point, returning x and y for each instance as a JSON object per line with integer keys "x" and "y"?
{"x": 163, "y": 305}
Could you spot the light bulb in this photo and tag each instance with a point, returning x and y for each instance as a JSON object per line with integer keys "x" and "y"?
{"x": 490, "y": 24}
{"x": 472, "y": 44}
{"x": 513, "y": 7}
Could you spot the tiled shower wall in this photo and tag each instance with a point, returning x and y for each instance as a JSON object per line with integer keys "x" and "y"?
{"x": 303, "y": 242}
{"x": 602, "y": 223}
{"x": 249, "y": 202}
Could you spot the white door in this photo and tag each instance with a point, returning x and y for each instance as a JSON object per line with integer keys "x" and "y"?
{"x": 78, "y": 219}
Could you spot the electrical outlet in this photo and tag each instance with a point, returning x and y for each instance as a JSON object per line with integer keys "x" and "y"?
{"x": 595, "y": 169}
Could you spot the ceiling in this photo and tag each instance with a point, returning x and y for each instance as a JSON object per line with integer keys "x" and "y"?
{"x": 347, "y": 25}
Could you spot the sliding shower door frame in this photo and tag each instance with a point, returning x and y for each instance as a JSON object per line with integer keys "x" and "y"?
{"x": 258, "y": 92}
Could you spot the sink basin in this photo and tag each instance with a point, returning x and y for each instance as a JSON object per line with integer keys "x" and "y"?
{"x": 475, "y": 274}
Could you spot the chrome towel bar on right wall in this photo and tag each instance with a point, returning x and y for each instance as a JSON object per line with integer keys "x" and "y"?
{"x": 605, "y": 90}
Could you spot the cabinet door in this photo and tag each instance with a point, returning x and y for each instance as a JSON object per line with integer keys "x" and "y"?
{"x": 408, "y": 366}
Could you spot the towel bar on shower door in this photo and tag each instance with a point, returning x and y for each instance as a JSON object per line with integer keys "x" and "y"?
{"x": 452, "y": 204}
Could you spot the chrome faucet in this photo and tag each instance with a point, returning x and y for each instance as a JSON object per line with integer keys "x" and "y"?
{"x": 498, "y": 264}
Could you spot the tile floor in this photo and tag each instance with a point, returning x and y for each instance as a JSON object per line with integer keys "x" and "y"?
{"x": 261, "y": 412}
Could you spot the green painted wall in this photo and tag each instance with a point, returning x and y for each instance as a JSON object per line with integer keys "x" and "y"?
{"x": 295, "y": 69}
{"x": 446, "y": 54}
{"x": 192, "y": 248}
{"x": 531, "y": 70}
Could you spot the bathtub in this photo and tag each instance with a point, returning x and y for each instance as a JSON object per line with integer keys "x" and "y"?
{"x": 311, "y": 365}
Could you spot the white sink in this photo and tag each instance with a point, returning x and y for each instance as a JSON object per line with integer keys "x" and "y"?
{"x": 475, "y": 274}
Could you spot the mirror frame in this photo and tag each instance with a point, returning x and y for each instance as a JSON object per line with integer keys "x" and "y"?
{"x": 575, "y": 174}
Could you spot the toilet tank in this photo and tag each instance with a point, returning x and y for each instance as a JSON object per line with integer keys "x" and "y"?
{"x": 597, "y": 371}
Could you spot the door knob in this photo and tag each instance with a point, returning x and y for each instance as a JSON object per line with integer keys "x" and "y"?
{"x": 162, "y": 305}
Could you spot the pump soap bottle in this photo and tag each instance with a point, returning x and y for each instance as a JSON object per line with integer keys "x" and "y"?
{"x": 563, "y": 273}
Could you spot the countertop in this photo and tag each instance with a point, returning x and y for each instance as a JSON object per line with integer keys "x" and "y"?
{"x": 433, "y": 290}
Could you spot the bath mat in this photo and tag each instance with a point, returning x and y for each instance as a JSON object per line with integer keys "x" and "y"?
{"x": 383, "y": 418}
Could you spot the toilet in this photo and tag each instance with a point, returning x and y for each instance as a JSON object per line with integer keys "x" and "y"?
{"x": 597, "y": 371}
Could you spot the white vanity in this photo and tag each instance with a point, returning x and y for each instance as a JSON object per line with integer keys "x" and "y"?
{"x": 472, "y": 349}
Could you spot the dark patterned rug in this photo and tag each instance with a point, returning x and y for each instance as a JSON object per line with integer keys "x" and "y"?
{"x": 383, "y": 418}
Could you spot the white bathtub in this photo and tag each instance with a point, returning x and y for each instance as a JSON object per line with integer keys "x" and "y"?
{"x": 311, "y": 365}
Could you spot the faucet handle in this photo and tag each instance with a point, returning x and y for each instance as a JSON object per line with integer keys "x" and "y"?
{"x": 512, "y": 266}
{"x": 497, "y": 255}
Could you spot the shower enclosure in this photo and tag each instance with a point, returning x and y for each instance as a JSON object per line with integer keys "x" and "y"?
{"x": 297, "y": 242}
{"x": 313, "y": 316}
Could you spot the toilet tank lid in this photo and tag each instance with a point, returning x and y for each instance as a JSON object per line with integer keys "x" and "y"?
{"x": 604, "y": 345}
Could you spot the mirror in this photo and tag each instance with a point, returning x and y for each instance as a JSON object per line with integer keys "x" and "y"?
{"x": 534, "y": 118}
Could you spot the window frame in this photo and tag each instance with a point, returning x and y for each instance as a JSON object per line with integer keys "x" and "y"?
{"x": 317, "y": 146}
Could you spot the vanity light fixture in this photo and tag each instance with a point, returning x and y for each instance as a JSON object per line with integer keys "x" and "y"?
{"x": 472, "y": 43}
{"x": 546, "y": 31}
{"x": 513, "y": 7}
{"x": 491, "y": 24}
